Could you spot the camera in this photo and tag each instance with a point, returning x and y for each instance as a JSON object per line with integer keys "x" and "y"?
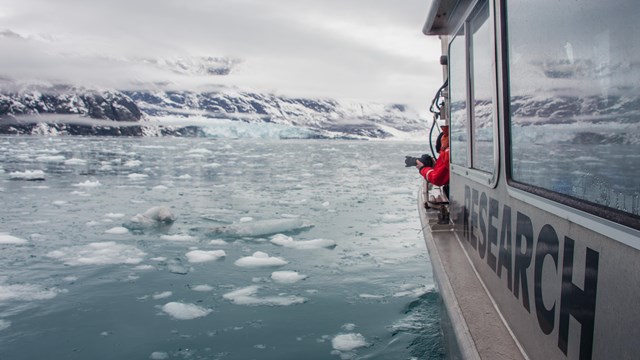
{"x": 426, "y": 159}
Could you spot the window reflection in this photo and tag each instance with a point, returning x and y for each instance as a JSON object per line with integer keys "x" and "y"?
{"x": 483, "y": 107}
{"x": 458, "y": 99}
{"x": 575, "y": 68}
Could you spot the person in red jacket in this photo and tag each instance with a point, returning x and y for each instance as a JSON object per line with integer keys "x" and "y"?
{"x": 438, "y": 174}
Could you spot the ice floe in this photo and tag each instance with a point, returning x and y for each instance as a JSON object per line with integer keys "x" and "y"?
{"x": 247, "y": 296}
{"x": 178, "y": 237}
{"x": 176, "y": 267}
{"x": 88, "y": 184}
{"x": 348, "y": 327}
{"x": 98, "y": 253}
{"x": 162, "y": 295}
{"x": 260, "y": 259}
{"x": 413, "y": 290}
{"x": 287, "y": 241}
{"x": 348, "y": 342}
{"x": 50, "y": 158}
{"x": 185, "y": 311}
{"x": 118, "y": 230}
{"x": 144, "y": 267}
{"x": 132, "y": 163}
{"x": 218, "y": 242}
{"x": 30, "y": 175}
{"x": 158, "y": 355}
{"x": 199, "y": 151}
{"x": 153, "y": 217}
{"x": 27, "y": 292}
{"x": 391, "y": 218}
{"x": 202, "y": 288}
{"x": 74, "y": 161}
{"x": 9, "y": 239}
{"x": 261, "y": 227}
{"x": 137, "y": 176}
{"x": 287, "y": 277}
{"x": 198, "y": 256}
{"x": 114, "y": 215}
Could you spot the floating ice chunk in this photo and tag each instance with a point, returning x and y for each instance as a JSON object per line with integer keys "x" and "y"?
{"x": 199, "y": 151}
{"x": 162, "y": 295}
{"x": 246, "y": 219}
{"x": 136, "y": 176}
{"x": 390, "y": 218}
{"x": 92, "y": 223}
{"x": 198, "y": 256}
{"x": 8, "y": 239}
{"x": 118, "y": 230}
{"x": 27, "y": 292}
{"x": 50, "y": 158}
{"x": 414, "y": 290}
{"x": 184, "y": 177}
{"x": 287, "y": 241}
{"x": 155, "y": 216}
{"x": 88, "y": 184}
{"x": 247, "y": 296}
{"x": 75, "y": 161}
{"x": 371, "y": 296}
{"x": 159, "y": 188}
{"x": 348, "y": 342}
{"x": 212, "y": 165}
{"x": 4, "y": 324}
{"x": 287, "y": 277}
{"x": 30, "y": 175}
{"x": 261, "y": 228}
{"x": 176, "y": 267}
{"x": 158, "y": 355}
{"x": 218, "y": 242}
{"x": 59, "y": 202}
{"x": 348, "y": 327}
{"x": 132, "y": 163}
{"x": 178, "y": 237}
{"x": 203, "y": 288}
{"x": 114, "y": 215}
{"x": 182, "y": 311}
{"x": 98, "y": 253}
{"x": 260, "y": 259}
{"x": 144, "y": 267}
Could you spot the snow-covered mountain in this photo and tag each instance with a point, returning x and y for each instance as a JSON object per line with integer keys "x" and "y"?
{"x": 67, "y": 109}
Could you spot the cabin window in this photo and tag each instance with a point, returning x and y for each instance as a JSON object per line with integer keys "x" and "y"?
{"x": 481, "y": 49}
{"x": 574, "y": 88}
{"x": 458, "y": 134}
{"x": 471, "y": 89}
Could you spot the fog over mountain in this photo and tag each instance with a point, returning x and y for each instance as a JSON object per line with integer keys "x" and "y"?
{"x": 72, "y": 110}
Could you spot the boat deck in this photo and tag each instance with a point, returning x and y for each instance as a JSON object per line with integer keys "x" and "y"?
{"x": 476, "y": 326}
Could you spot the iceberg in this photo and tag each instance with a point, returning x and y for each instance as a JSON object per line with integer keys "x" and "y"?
{"x": 260, "y": 228}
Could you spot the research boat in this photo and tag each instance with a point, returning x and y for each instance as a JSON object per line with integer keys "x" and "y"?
{"x": 536, "y": 253}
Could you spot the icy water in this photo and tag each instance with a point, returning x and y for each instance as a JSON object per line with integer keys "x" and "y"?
{"x": 279, "y": 250}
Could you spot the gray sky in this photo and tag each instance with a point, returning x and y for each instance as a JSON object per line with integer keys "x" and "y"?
{"x": 363, "y": 50}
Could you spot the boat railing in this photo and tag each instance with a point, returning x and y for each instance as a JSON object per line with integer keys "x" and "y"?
{"x": 435, "y": 198}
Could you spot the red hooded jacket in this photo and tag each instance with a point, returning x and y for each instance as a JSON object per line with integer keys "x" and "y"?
{"x": 438, "y": 174}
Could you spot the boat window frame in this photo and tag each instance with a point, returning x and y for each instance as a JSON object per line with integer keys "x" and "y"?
{"x": 614, "y": 217}
{"x": 486, "y": 178}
